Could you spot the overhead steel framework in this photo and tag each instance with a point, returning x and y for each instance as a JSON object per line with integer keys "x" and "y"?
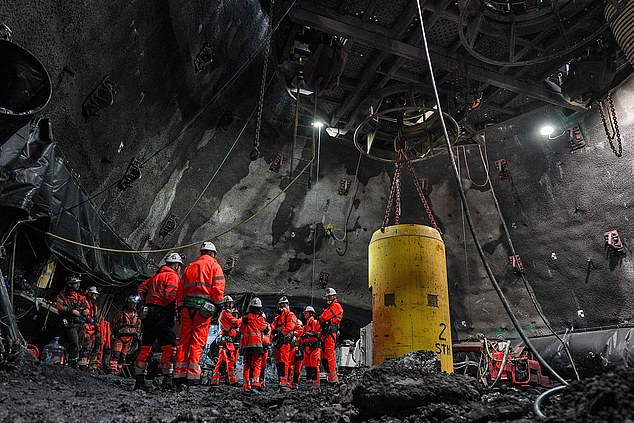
{"x": 384, "y": 50}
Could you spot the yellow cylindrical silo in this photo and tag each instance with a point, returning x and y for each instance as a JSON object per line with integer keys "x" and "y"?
{"x": 410, "y": 300}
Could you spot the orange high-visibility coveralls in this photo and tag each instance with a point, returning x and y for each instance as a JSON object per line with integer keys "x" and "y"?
{"x": 312, "y": 351}
{"x": 159, "y": 295}
{"x": 91, "y": 335}
{"x": 203, "y": 280}
{"x": 252, "y": 328}
{"x": 330, "y": 321}
{"x": 285, "y": 323}
{"x": 297, "y": 357}
{"x": 266, "y": 346}
{"x": 126, "y": 326}
{"x": 227, "y": 353}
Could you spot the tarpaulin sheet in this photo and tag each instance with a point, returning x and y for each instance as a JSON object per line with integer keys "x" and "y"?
{"x": 34, "y": 180}
{"x": 593, "y": 351}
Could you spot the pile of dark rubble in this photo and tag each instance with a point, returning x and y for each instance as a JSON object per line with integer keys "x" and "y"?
{"x": 407, "y": 389}
{"x": 603, "y": 398}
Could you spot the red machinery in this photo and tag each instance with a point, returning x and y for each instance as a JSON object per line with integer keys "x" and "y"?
{"x": 520, "y": 369}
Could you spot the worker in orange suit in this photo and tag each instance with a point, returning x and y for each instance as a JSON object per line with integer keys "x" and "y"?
{"x": 311, "y": 347}
{"x": 91, "y": 329}
{"x": 284, "y": 325}
{"x": 104, "y": 345}
{"x": 252, "y": 328}
{"x": 297, "y": 356}
{"x": 73, "y": 309}
{"x": 266, "y": 346}
{"x": 330, "y": 320}
{"x": 201, "y": 291}
{"x": 159, "y": 296}
{"x": 229, "y": 325}
{"x": 126, "y": 328}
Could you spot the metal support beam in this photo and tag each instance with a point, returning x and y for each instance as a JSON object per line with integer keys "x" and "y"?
{"x": 353, "y": 100}
{"x": 439, "y": 57}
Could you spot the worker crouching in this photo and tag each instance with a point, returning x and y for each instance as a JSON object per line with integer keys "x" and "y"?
{"x": 311, "y": 347}
{"x": 227, "y": 354}
{"x": 202, "y": 289}
{"x": 252, "y": 328}
{"x": 126, "y": 328}
{"x": 284, "y": 325}
{"x": 159, "y": 296}
{"x": 330, "y": 320}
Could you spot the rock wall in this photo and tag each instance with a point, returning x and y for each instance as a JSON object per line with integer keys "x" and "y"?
{"x": 558, "y": 205}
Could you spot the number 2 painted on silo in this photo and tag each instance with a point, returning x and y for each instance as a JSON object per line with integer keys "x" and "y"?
{"x": 442, "y": 348}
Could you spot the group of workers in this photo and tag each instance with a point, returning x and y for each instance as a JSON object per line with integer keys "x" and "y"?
{"x": 89, "y": 339}
{"x": 295, "y": 344}
{"x": 193, "y": 300}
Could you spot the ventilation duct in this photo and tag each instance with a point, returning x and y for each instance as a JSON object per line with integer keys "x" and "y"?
{"x": 621, "y": 21}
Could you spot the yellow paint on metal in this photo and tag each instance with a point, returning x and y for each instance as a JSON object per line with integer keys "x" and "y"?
{"x": 410, "y": 300}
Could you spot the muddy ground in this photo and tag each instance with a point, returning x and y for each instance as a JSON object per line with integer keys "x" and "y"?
{"x": 406, "y": 389}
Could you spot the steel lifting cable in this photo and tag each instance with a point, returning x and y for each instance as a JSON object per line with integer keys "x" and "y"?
{"x": 354, "y": 197}
{"x": 529, "y": 289}
{"x": 467, "y": 211}
{"x": 318, "y": 129}
{"x": 401, "y": 146}
{"x": 213, "y": 177}
{"x": 255, "y": 153}
{"x": 191, "y": 244}
{"x": 464, "y": 240}
{"x": 189, "y": 124}
{"x": 608, "y": 104}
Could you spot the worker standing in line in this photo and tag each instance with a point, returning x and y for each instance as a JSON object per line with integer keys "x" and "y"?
{"x": 91, "y": 329}
{"x": 311, "y": 347}
{"x": 201, "y": 290}
{"x": 228, "y": 324}
{"x": 126, "y": 327}
{"x": 297, "y": 356}
{"x": 330, "y": 320}
{"x": 284, "y": 325}
{"x": 159, "y": 296}
{"x": 73, "y": 308}
{"x": 252, "y": 328}
{"x": 266, "y": 347}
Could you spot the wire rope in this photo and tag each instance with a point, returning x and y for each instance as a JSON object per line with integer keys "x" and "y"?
{"x": 188, "y": 126}
{"x": 467, "y": 211}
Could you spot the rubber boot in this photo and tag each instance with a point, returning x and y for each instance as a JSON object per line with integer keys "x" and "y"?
{"x": 140, "y": 382}
{"x": 168, "y": 382}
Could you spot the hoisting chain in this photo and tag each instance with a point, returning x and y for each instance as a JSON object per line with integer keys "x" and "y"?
{"x": 401, "y": 146}
{"x": 614, "y": 124}
{"x": 255, "y": 153}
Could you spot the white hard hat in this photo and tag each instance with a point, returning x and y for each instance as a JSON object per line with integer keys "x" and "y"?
{"x": 228, "y": 298}
{"x": 92, "y": 290}
{"x": 309, "y": 309}
{"x": 330, "y": 291}
{"x": 208, "y": 246}
{"x": 255, "y": 302}
{"x": 173, "y": 258}
{"x": 283, "y": 300}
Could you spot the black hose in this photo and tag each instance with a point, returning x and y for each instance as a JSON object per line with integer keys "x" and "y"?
{"x": 537, "y": 406}
{"x": 467, "y": 212}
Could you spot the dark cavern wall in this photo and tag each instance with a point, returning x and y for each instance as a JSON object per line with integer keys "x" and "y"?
{"x": 558, "y": 204}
